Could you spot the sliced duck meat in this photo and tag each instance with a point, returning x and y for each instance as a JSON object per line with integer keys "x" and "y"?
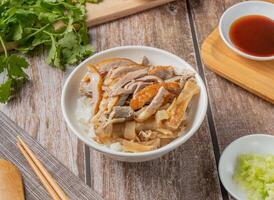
{"x": 104, "y": 102}
{"x": 119, "y": 71}
{"x": 129, "y": 88}
{"x": 185, "y": 76}
{"x": 122, "y": 100}
{"x": 96, "y": 88}
{"x": 163, "y": 72}
{"x": 109, "y": 81}
{"x": 114, "y": 121}
{"x": 112, "y": 102}
{"x": 121, "y": 112}
{"x": 151, "y": 78}
{"x": 107, "y": 126}
{"x": 138, "y": 106}
{"x": 146, "y": 94}
{"x": 174, "y": 79}
{"x": 99, "y": 119}
{"x": 145, "y": 61}
{"x": 132, "y": 88}
{"x": 130, "y": 84}
{"x": 140, "y": 86}
{"x": 125, "y": 79}
{"x": 173, "y": 87}
{"x": 177, "y": 110}
{"x": 146, "y": 135}
{"x": 123, "y": 91}
{"x": 86, "y": 87}
{"x": 130, "y": 130}
{"x": 136, "y": 86}
{"x": 182, "y": 78}
{"x": 155, "y": 104}
{"x": 105, "y": 88}
{"x": 105, "y": 65}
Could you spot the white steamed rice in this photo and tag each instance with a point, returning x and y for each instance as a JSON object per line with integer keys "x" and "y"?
{"x": 83, "y": 113}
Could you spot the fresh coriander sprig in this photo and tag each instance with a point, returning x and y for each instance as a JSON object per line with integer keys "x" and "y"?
{"x": 12, "y": 72}
{"x": 25, "y": 25}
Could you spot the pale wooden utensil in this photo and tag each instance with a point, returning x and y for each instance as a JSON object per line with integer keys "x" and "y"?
{"x": 11, "y": 185}
{"x": 46, "y": 179}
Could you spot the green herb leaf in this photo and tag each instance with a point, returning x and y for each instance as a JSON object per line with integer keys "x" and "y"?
{"x": 72, "y": 50}
{"x": 3, "y": 62}
{"x": 16, "y": 65}
{"x": 5, "y": 91}
{"x": 54, "y": 55}
{"x": 58, "y": 25}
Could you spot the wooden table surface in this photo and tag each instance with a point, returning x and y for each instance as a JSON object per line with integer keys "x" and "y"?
{"x": 189, "y": 172}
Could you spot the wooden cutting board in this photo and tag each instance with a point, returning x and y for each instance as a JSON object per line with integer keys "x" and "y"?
{"x": 255, "y": 76}
{"x": 11, "y": 185}
{"x": 109, "y": 10}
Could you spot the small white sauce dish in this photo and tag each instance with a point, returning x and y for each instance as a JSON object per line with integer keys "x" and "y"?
{"x": 239, "y": 10}
{"x": 257, "y": 143}
{"x": 70, "y": 95}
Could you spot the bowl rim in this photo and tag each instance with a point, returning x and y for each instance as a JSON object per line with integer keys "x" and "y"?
{"x": 172, "y": 145}
{"x": 221, "y": 172}
{"x": 231, "y": 46}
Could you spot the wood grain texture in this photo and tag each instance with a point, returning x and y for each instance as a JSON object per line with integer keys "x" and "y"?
{"x": 37, "y": 109}
{"x": 109, "y": 10}
{"x": 235, "y": 111}
{"x": 11, "y": 185}
{"x": 189, "y": 172}
{"x": 255, "y": 76}
{"x": 71, "y": 184}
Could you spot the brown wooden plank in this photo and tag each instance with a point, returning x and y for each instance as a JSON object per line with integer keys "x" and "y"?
{"x": 38, "y": 110}
{"x": 71, "y": 184}
{"x": 187, "y": 173}
{"x": 235, "y": 111}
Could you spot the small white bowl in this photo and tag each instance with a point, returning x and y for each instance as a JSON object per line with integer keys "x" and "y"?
{"x": 70, "y": 95}
{"x": 257, "y": 143}
{"x": 240, "y": 10}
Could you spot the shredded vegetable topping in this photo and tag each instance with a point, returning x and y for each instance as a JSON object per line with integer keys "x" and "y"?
{"x": 255, "y": 173}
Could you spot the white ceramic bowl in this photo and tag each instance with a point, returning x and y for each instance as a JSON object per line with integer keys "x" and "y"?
{"x": 239, "y": 10}
{"x": 257, "y": 143}
{"x": 70, "y": 95}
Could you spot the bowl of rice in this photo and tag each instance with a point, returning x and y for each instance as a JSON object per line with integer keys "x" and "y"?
{"x": 149, "y": 87}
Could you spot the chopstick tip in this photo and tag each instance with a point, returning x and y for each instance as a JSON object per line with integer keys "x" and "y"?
{"x": 19, "y": 139}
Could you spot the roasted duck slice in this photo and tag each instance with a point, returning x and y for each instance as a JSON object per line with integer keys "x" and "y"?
{"x": 145, "y": 95}
{"x": 163, "y": 72}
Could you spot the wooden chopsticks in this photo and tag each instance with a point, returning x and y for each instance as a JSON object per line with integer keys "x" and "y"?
{"x": 46, "y": 179}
